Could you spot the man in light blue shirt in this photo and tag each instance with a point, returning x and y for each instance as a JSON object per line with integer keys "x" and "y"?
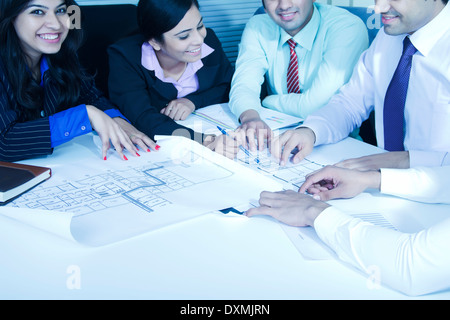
{"x": 329, "y": 41}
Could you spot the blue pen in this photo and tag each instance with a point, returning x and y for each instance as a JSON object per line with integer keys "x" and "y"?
{"x": 240, "y": 147}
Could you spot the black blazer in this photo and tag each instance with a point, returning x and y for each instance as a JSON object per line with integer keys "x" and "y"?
{"x": 140, "y": 95}
{"x": 20, "y": 139}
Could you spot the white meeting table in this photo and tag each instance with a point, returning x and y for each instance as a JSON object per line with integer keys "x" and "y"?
{"x": 212, "y": 257}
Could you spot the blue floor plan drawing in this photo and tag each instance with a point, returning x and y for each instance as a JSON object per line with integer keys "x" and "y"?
{"x": 144, "y": 186}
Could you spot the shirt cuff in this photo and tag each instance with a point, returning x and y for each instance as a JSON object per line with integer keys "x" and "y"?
{"x": 418, "y": 184}
{"x": 419, "y": 158}
{"x": 68, "y": 124}
{"x": 317, "y": 128}
{"x": 328, "y": 222}
{"x": 390, "y": 179}
{"x": 115, "y": 113}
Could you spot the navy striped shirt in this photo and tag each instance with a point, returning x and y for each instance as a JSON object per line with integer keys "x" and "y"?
{"x": 23, "y": 140}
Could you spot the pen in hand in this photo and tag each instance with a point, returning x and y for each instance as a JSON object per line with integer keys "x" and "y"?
{"x": 240, "y": 147}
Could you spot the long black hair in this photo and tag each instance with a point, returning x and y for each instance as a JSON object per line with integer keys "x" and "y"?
{"x": 64, "y": 67}
{"x": 156, "y": 17}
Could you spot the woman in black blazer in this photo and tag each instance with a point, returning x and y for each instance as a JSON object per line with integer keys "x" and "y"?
{"x": 151, "y": 76}
{"x": 45, "y": 98}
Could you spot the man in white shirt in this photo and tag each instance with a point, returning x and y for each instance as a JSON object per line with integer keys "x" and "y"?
{"x": 305, "y": 52}
{"x": 414, "y": 264}
{"x": 426, "y": 115}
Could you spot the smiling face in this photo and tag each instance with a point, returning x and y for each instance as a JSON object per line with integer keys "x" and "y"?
{"x": 42, "y": 27}
{"x": 183, "y": 43}
{"x": 291, "y": 15}
{"x": 407, "y": 16}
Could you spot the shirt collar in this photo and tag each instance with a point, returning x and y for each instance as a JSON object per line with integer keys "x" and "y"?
{"x": 44, "y": 67}
{"x": 426, "y": 37}
{"x": 306, "y": 36}
{"x": 150, "y": 61}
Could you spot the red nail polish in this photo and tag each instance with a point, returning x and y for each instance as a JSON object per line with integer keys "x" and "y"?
{"x": 104, "y": 158}
{"x": 148, "y": 150}
{"x": 157, "y": 147}
{"x": 138, "y": 154}
{"x": 125, "y": 157}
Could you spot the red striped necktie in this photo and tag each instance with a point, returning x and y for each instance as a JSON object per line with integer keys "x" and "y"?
{"x": 293, "y": 84}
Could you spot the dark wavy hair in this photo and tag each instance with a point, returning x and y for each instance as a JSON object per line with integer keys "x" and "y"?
{"x": 156, "y": 17}
{"x": 65, "y": 69}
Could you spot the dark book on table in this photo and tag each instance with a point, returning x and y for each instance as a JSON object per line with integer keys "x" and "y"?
{"x": 16, "y": 179}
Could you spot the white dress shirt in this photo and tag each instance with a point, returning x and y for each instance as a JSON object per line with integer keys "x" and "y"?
{"x": 414, "y": 264}
{"x": 328, "y": 48}
{"x": 427, "y": 107}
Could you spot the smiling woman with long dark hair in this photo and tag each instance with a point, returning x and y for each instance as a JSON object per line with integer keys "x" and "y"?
{"x": 173, "y": 67}
{"x": 45, "y": 97}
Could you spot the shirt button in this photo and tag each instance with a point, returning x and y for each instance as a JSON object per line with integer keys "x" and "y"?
{"x": 66, "y": 134}
{"x": 83, "y": 128}
{"x": 42, "y": 114}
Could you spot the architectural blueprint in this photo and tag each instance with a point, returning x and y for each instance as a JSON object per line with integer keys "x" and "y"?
{"x": 147, "y": 186}
{"x": 107, "y": 201}
{"x": 144, "y": 186}
{"x": 291, "y": 175}
{"x": 207, "y": 120}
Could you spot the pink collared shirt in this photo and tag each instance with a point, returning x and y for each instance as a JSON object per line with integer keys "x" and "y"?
{"x": 188, "y": 83}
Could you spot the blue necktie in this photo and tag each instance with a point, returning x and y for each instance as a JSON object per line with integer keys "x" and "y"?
{"x": 394, "y": 102}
